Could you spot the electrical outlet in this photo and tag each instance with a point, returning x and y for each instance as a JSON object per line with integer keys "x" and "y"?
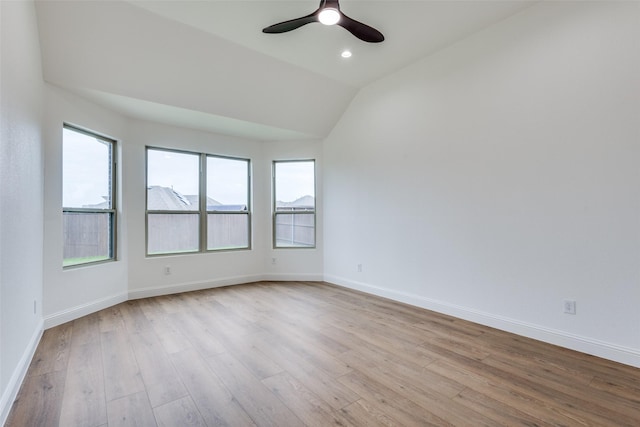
{"x": 167, "y": 270}
{"x": 570, "y": 306}
{"x": 274, "y": 261}
{"x": 359, "y": 268}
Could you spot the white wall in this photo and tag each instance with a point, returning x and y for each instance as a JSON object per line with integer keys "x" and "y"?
{"x": 20, "y": 196}
{"x": 500, "y": 176}
{"x": 74, "y": 292}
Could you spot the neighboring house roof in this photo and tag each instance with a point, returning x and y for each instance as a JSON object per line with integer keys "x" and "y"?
{"x": 193, "y": 199}
{"x": 167, "y": 199}
{"x": 164, "y": 198}
{"x": 304, "y": 202}
{"x": 103, "y": 205}
{"x": 226, "y": 208}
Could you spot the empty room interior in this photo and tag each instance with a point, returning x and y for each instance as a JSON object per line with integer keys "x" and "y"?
{"x": 230, "y": 213}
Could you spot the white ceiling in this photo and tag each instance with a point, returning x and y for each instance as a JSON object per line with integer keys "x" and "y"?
{"x": 207, "y": 65}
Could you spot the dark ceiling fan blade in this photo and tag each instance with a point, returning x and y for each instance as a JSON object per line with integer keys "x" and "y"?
{"x": 360, "y": 30}
{"x": 292, "y": 24}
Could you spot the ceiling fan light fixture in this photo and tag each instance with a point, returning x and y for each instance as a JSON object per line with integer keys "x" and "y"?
{"x": 329, "y": 16}
{"x": 328, "y": 13}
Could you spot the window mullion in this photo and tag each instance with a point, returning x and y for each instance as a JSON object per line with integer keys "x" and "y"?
{"x": 203, "y": 203}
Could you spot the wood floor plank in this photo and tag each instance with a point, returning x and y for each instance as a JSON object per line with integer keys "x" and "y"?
{"x": 316, "y": 355}
{"x": 215, "y": 402}
{"x": 169, "y": 304}
{"x": 567, "y": 399}
{"x": 411, "y": 353}
{"x": 134, "y": 318}
{"x": 182, "y": 412}
{"x": 169, "y": 335}
{"x": 133, "y": 410}
{"x": 209, "y": 311}
{"x": 110, "y": 319}
{"x": 260, "y": 403}
{"x": 286, "y": 316}
{"x": 367, "y": 414}
{"x": 121, "y": 372}
{"x": 39, "y": 401}
{"x": 627, "y": 390}
{"x": 86, "y": 329}
{"x": 406, "y": 412}
{"x": 202, "y": 336}
{"x": 604, "y": 403}
{"x": 160, "y": 378}
{"x": 502, "y": 414}
{"x": 378, "y": 312}
{"x": 52, "y": 354}
{"x": 84, "y": 402}
{"x": 236, "y": 339}
{"x": 426, "y": 395}
{"x": 543, "y": 366}
{"x": 243, "y": 348}
{"x": 418, "y": 376}
{"x": 311, "y": 409}
{"x": 509, "y": 394}
{"x": 319, "y": 382}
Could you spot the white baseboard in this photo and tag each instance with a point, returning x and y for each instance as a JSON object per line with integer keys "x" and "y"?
{"x": 614, "y": 352}
{"x": 13, "y": 386}
{"x": 154, "y": 291}
{"x": 292, "y": 277}
{"x": 82, "y": 310}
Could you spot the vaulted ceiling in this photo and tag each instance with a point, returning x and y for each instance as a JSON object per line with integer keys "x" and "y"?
{"x": 207, "y": 65}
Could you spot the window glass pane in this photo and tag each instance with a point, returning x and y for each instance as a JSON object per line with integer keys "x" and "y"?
{"x": 295, "y": 185}
{"x": 227, "y": 184}
{"x": 86, "y": 171}
{"x": 172, "y": 181}
{"x": 295, "y": 230}
{"x": 87, "y": 237}
{"x": 170, "y": 233}
{"x": 227, "y": 231}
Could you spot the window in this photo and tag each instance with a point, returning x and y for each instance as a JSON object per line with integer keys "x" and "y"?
{"x": 227, "y": 203}
{"x": 88, "y": 197}
{"x": 188, "y": 214}
{"x": 173, "y": 202}
{"x": 294, "y": 204}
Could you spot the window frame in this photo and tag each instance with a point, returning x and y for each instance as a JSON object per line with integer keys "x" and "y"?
{"x": 275, "y": 211}
{"x": 112, "y": 211}
{"x": 202, "y": 211}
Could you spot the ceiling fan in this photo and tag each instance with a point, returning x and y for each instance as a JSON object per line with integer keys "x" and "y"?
{"x": 329, "y": 14}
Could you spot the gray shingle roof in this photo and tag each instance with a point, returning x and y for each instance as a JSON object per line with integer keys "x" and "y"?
{"x": 167, "y": 199}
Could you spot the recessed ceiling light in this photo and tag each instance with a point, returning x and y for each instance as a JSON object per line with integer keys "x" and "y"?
{"x": 346, "y": 54}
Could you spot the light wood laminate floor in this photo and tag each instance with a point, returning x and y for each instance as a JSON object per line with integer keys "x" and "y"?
{"x": 309, "y": 354}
